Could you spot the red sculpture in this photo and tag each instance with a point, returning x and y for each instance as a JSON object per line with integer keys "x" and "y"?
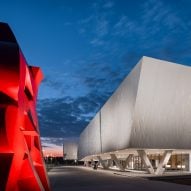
{"x": 21, "y": 162}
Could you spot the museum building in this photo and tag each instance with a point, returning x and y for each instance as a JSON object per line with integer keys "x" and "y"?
{"x": 146, "y": 124}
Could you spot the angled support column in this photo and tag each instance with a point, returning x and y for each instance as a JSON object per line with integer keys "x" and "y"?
{"x": 127, "y": 160}
{"x": 161, "y": 167}
{"x": 189, "y": 162}
{"x": 103, "y": 163}
{"x": 86, "y": 163}
{"x": 146, "y": 161}
{"x": 117, "y": 162}
{"x": 98, "y": 163}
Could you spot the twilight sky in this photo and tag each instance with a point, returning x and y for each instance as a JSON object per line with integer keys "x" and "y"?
{"x": 86, "y": 48}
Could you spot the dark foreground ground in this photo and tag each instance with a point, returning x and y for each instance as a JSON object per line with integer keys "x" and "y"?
{"x": 65, "y": 178}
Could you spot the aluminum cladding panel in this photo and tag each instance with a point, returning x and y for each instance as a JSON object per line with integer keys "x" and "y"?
{"x": 90, "y": 138}
{"x": 83, "y": 144}
{"x": 70, "y": 150}
{"x": 163, "y": 106}
{"x": 117, "y": 114}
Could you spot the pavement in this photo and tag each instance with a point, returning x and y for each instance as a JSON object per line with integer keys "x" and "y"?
{"x": 75, "y": 178}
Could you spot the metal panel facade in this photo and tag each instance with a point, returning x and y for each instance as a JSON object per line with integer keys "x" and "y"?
{"x": 70, "y": 150}
{"x": 151, "y": 109}
{"x": 117, "y": 114}
{"x": 90, "y": 143}
{"x": 163, "y": 106}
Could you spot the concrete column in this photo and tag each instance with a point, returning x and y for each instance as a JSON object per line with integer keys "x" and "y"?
{"x": 128, "y": 159}
{"x": 161, "y": 167}
{"x": 146, "y": 161}
{"x": 156, "y": 163}
{"x": 105, "y": 164}
{"x": 189, "y": 162}
{"x": 132, "y": 163}
{"x": 98, "y": 163}
{"x": 92, "y": 161}
{"x": 86, "y": 163}
{"x": 117, "y": 162}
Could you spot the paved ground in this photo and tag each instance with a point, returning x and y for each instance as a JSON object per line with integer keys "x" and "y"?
{"x": 65, "y": 178}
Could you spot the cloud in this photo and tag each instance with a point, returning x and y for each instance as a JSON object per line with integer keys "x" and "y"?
{"x": 159, "y": 13}
{"x": 162, "y": 16}
{"x": 156, "y": 33}
{"x": 108, "y": 5}
{"x": 62, "y": 85}
{"x": 155, "y": 15}
{"x": 86, "y": 20}
{"x": 96, "y": 25}
{"x": 51, "y": 142}
{"x": 153, "y": 10}
{"x": 58, "y": 118}
{"x": 97, "y": 42}
{"x": 102, "y": 27}
{"x": 124, "y": 27}
{"x": 104, "y": 32}
{"x": 68, "y": 24}
{"x": 67, "y": 117}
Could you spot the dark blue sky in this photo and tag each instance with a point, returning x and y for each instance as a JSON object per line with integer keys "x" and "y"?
{"x": 85, "y": 49}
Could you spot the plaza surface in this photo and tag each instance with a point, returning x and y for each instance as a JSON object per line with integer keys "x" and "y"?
{"x": 73, "y": 178}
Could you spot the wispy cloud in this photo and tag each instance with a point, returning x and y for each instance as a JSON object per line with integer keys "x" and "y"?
{"x": 67, "y": 117}
{"x": 86, "y": 20}
{"x": 108, "y": 5}
{"x": 53, "y": 86}
{"x": 97, "y": 24}
{"x": 124, "y": 27}
{"x": 102, "y": 27}
{"x": 68, "y": 24}
{"x": 97, "y": 42}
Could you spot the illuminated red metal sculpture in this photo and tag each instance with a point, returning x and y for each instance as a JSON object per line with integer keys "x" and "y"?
{"x": 21, "y": 162}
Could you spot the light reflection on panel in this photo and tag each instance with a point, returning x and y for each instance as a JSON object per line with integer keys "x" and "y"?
{"x": 90, "y": 138}
{"x": 117, "y": 114}
{"x": 163, "y": 106}
{"x": 70, "y": 150}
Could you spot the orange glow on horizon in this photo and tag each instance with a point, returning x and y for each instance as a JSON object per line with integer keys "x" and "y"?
{"x": 52, "y": 152}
